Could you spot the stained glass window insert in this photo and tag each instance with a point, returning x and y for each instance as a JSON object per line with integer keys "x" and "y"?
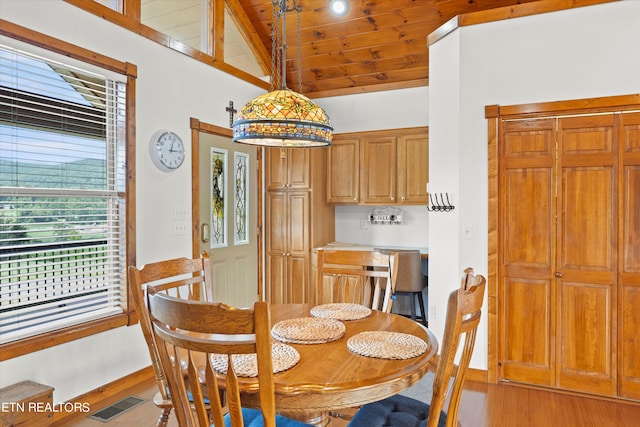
{"x": 218, "y": 205}
{"x": 241, "y": 198}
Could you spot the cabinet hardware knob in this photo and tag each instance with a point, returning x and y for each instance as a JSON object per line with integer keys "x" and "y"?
{"x": 558, "y": 274}
{"x": 404, "y": 198}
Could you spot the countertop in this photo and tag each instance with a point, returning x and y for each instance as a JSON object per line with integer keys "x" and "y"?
{"x": 424, "y": 251}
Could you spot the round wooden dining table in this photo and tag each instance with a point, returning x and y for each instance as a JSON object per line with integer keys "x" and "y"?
{"x": 330, "y": 377}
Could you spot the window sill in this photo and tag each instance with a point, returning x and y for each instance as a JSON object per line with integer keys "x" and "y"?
{"x": 61, "y": 336}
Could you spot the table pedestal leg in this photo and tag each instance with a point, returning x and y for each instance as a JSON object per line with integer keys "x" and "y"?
{"x": 314, "y": 418}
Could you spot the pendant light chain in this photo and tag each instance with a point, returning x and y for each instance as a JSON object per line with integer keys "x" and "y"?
{"x": 283, "y": 117}
{"x": 299, "y": 10}
{"x": 276, "y": 37}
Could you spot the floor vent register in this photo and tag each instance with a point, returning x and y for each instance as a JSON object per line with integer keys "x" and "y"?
{"x": 118, "y": 408}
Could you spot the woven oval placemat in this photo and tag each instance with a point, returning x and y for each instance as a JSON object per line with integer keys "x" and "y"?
{"x": 246, "y": 365}
{"x": 308, "y": 330}
{"x": 341, "y": 311}
{"x": 387, "y": 345}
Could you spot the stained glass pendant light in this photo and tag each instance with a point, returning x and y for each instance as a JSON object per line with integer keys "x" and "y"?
{"x": 282, "y": 117}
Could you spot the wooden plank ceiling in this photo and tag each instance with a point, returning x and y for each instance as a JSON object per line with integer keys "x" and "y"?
{"x": 378, "y": 44}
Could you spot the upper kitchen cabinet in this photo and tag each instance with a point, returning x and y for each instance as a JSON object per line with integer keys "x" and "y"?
{"x": 343, "y": 170}
{"x": 413, "y": 168}
{"x": 379, "y": 168}
{"x": 288, "y": 168}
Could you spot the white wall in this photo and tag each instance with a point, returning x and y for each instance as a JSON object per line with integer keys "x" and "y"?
{"x": 402, "y": 108}
{"x": 586, "y": 52}
{"x": 413, "y": 232}
{"x": 171, "y": 88}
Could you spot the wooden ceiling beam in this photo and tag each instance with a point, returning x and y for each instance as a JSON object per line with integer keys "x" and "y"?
{"x": 250, "y": 35}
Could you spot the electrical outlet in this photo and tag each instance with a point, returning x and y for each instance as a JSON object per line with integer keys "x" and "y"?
{"x": 180, "y": 227}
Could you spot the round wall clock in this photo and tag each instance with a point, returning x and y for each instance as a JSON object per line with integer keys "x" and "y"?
{"x": 167, "y": 150}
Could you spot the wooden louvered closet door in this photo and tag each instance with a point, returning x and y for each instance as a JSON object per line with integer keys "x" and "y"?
{"x": 569, "y": 286}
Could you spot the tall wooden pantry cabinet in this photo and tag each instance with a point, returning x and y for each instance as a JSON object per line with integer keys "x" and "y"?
{"x": 569, "y": 250}
{"x": 297, "y": 219}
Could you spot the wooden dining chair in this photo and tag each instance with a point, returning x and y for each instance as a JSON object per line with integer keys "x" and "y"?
{"x": 185, "y": 331}
{"x": 359, "y": 277}
{"x": 410, "y": 281}
{"x": 463, "y": 316}
{"x": 468, "y": 277}
{"x": 183, "y": 277}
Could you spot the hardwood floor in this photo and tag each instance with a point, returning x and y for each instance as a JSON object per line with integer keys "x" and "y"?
{"x": 483, "y": 405}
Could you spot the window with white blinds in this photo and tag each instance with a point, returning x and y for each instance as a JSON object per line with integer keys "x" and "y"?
{"x": 62, "y": 195}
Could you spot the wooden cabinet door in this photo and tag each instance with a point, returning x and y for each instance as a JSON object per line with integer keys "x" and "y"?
{"x": 299, "y": 167}
{"x": 586, "y": 258}
{"x": 378, "y": 164}
{"x": 413, "y": 169}
{"x": 276, "y": 292}
{"x": 629, "y": 259}
{"x": 298, "y": 279}
{"x": 287, "y": 242}
{"x": 276, "y": 241}
{"x": 298, "y": 247}
{"x": 287, "y": 168}
{"x": 343, "y": 167}
{"x": 527, "y": 290}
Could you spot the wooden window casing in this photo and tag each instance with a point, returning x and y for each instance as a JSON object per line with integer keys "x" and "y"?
{"x": 128, "y": 317}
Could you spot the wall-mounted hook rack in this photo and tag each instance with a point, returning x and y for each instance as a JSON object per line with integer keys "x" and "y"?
{"x": 439, "y": 205}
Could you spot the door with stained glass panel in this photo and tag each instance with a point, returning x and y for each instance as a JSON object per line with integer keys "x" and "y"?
{"x": 228, "y": 217}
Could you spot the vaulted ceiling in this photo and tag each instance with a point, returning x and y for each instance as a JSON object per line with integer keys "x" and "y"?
{"x": 378, "y": 44}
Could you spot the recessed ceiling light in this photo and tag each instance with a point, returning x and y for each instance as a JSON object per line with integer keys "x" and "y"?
{"x": 339, "y": 7}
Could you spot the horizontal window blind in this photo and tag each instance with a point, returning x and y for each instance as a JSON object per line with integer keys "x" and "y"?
{"x": 62, "y": 180}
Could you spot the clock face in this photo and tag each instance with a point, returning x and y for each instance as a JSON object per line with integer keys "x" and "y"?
{"x": 167, "y": 150}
